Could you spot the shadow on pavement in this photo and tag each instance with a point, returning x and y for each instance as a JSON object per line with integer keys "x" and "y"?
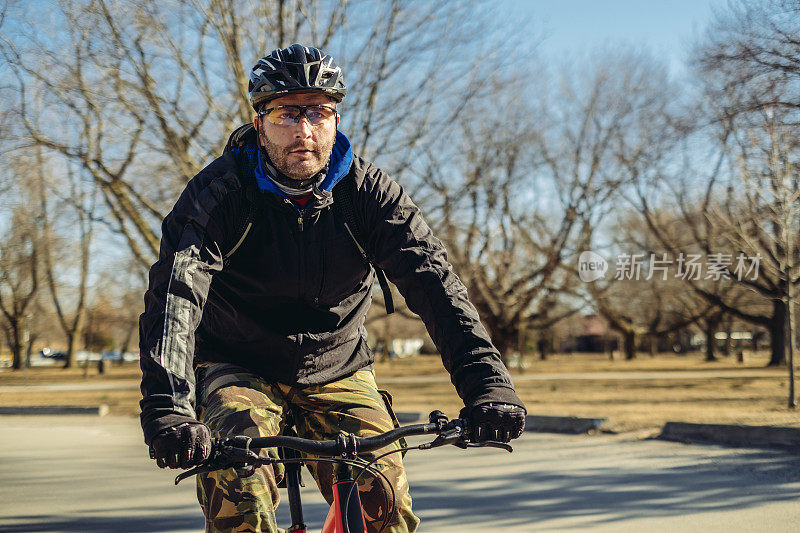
{"x": 609, "y": 494}
{"x": 179, "y": 521}
{"x": 140, "y": 520}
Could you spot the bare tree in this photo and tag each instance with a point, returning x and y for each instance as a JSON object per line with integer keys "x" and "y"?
{"x": 119, "y": 292}
{"x": 525, "y": 174}
{"x": 142, "y": 95}
{"x": 61, "y": 252}
{"x": 728, "y": 232}
{"x": 745, "y": 204}
{"x": 646, "y": 297}
{"x": 19, "y": 282}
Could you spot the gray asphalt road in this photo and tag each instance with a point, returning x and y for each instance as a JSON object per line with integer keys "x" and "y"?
{"x": 89, "y": 474}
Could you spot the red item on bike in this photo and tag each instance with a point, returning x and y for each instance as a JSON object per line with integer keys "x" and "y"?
{"x": 334, "y": 523}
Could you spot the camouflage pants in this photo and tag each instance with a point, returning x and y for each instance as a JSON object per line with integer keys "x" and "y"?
{"x": 233, "y": 401}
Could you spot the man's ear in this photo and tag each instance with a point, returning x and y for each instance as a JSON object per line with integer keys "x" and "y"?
{"x": 257, "y": 125}
{"x": 338, "y": 118}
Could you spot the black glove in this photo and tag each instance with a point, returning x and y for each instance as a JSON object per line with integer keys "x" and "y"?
{"x": 183, "y": 446}
{"x": 495, "y": 421}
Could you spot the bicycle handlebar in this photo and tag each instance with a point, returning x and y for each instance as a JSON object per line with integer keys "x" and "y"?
{"x": 238, "y": 451}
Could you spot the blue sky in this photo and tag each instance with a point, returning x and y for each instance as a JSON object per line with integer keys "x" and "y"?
{"x": 571, "y": 28}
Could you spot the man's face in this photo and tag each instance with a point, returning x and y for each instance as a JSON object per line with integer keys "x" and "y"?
{"x": 299, "y": 150}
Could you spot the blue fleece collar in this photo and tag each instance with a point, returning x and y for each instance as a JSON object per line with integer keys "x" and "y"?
{"x": 341, "y": 159}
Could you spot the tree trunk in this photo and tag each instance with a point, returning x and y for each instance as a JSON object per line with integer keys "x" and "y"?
{"x": 15, "y": 343}
{"x": 629, "y": 344}
{"x": 611, "y": 345}
{"x": 29, "y": 350}
{"x": 72, "y": 348}
{"x": 726, "y": 346}
{"x": 126, "y": 343}
{"x": 542, "y": 345}
{"x": 755, "y": 341}
{"x": 16, "y": 355}
{"x": 711, "y": 329}
{"x": 777, "y": 334}
{"x": 790, "y": 344}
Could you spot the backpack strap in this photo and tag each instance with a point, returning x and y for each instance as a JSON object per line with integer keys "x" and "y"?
{"x": 344, "y": 209}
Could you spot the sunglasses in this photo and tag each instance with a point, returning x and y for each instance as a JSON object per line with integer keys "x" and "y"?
{"x": 287, "y": 115}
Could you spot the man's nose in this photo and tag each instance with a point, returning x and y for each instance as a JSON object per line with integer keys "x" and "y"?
{"x": 302, "y": 128}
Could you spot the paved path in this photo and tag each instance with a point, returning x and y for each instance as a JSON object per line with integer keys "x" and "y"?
{"x": 443, "y": 378}
{"x": 80, "y": 474}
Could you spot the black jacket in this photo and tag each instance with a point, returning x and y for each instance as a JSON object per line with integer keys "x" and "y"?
{"x": 290, "y": 303}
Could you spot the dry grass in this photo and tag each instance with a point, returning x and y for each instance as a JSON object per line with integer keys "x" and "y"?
{"x": 629, "y": 404}
{"x": 636, "y": 404}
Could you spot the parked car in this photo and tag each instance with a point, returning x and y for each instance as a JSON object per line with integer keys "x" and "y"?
{"x": 112, "y": 355}
{"x": 53, "y": 354}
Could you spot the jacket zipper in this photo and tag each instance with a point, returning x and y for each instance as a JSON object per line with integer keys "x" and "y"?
{"x": 296, "y": 211}
{"x": 302, "y": 292}
{"x": 322, "y": 272}
{"x": 300, "y": 250}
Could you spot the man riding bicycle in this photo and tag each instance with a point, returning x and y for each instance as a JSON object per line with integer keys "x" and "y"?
{"x": 256, "y": 305}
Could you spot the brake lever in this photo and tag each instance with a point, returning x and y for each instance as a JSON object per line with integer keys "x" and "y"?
{"x": 228, "y": 453}
{"x": 451, "y": 436}
{"x": 464, "y": 444}
{"x": 196, "y": 470}
{"x": 456, "y": 437}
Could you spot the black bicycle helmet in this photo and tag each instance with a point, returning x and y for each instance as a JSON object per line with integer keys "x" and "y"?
{"x": 295, "y": 69}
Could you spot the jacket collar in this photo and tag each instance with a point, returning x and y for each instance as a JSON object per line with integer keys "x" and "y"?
{"x": 341, "y": 159}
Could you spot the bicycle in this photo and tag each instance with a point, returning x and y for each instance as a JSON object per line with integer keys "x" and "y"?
{"x": 345, "y": 514}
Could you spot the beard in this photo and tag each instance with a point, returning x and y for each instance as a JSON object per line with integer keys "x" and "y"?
{"x": 295, "y": 167}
